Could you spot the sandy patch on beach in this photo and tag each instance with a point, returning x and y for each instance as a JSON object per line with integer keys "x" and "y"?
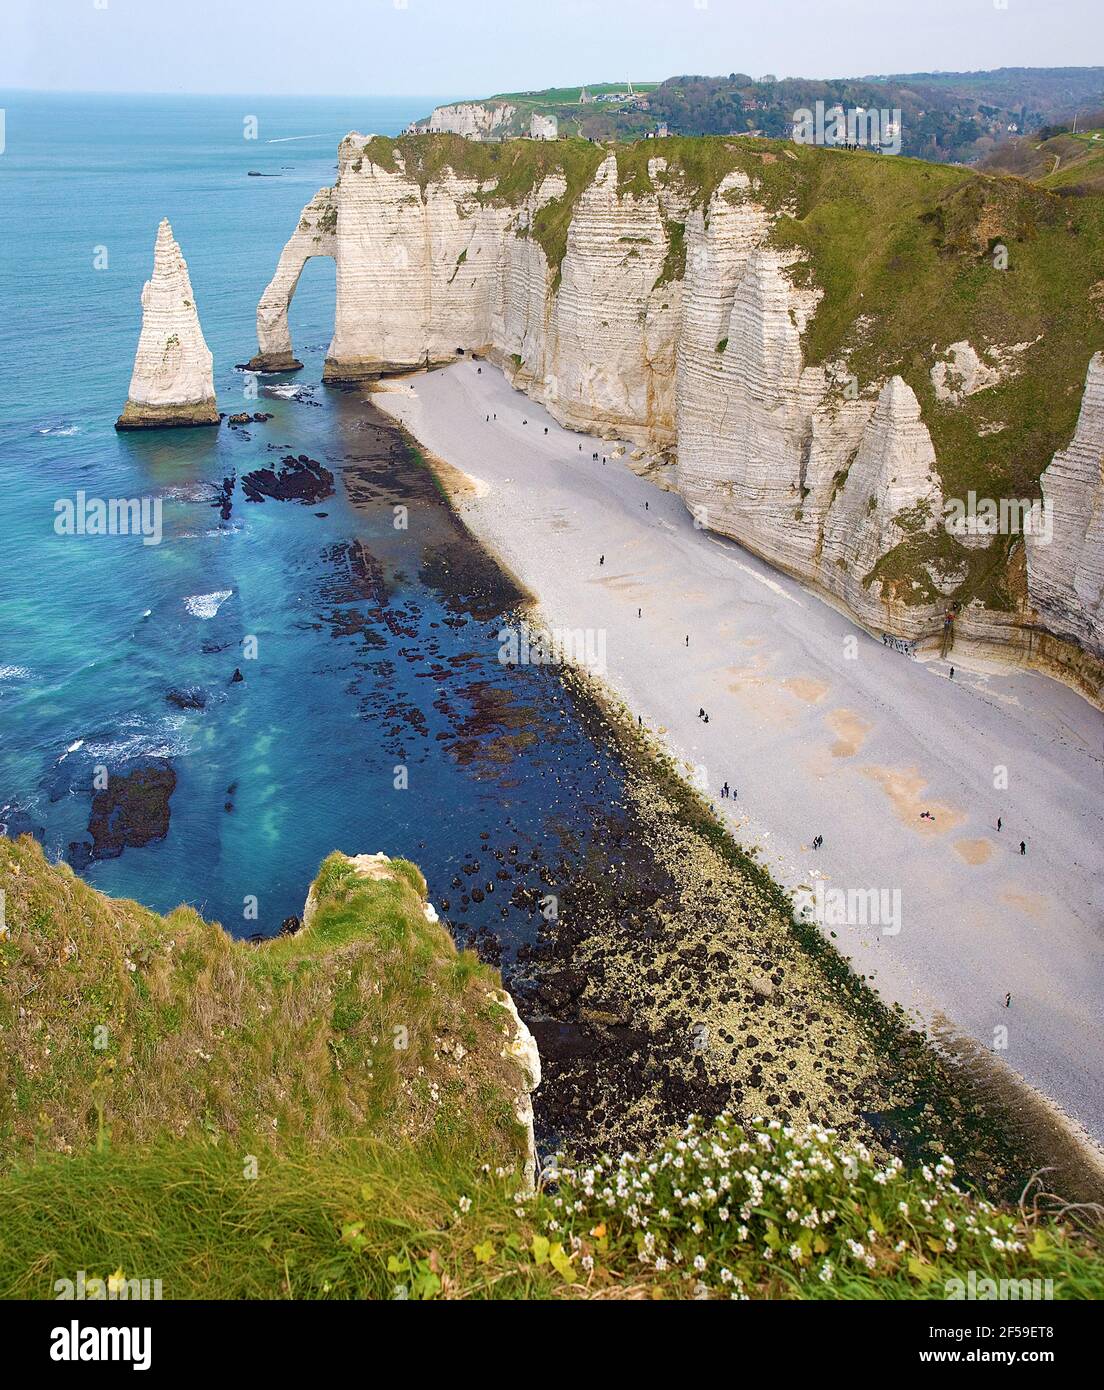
{"x": 850, "y": 731}
{"x": 974, "y": 851}
{"x": 454, "y": 480}
{"x": 759, "y": 694}
{"x": 905, "y": 787}
{"x": 1030, "y": 904}
{"x": 811, "y": 691}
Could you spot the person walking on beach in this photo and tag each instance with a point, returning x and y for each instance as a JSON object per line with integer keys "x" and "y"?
{"x": 952, "y": 673}
{"x": 724, "y": 791}
{"x": 1008, "y": 1001}
{"x": 1023, "y": 846}
{"x": 999, "y": 824}
{"x": 602, "y": 560}
{"x": 687, "y": 639}
{"x": 639, "y": 612}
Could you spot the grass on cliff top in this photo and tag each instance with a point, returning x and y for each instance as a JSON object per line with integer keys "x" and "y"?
{"x": 906, "y": 254}
{"x": 121, "y": 1027}
{"x": 716, "y": 1212}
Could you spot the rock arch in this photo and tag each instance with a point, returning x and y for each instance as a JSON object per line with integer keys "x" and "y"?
{"x": 316, "y": 235}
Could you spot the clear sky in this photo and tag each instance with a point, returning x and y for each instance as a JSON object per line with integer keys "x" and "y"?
{"x": 478, "y": 47}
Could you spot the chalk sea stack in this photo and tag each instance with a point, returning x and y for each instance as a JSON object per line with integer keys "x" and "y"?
{"x": 173, "y": 381}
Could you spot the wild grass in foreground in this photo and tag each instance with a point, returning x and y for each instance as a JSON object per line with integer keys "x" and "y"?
{"x": 715, "y": 1212}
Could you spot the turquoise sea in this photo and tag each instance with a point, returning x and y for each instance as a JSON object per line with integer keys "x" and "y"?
{"x": 377, "y": 648}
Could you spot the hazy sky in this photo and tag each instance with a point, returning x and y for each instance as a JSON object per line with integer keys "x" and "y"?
{"x": 477, "y": 47}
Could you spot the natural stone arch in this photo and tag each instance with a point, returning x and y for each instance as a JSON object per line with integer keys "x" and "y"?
{"x": 316, "y": 235}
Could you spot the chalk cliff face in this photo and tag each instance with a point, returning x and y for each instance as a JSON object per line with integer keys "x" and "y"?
{"x": 638, "y": 304}
{"x": 474, "y": 120}
{"x": 1066, "y": 576}
{"x": 173, "y": 380}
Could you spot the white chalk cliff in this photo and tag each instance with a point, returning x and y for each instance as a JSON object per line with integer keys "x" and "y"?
{"x": 1066, "y": 576}
{"x": 173, "y": 379}
{"x": 675, "y": 321}
{"x": 474, "y": 120}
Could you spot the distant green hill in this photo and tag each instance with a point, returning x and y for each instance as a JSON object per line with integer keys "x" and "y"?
{"x": 948, "y": 117}
{"x": 1064, "y": 163}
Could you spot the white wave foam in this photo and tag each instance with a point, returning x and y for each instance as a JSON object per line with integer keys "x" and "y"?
{"x": 206, "y": 605}
{"x": 63, "y": 428}
{"x": 140, "y": 737}
{"x": 14, "y": 673}
{"x": 286, "y": 392}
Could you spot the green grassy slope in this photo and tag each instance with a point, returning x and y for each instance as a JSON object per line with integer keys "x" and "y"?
{"x": 121, "y": 1027}
{"x": 1066, "y": 163}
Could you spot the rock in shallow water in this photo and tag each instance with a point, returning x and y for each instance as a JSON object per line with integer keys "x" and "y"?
{"x": 131, "y": 811}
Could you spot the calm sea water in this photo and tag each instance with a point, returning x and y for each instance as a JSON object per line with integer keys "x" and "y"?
{"x": 376, "y": 647}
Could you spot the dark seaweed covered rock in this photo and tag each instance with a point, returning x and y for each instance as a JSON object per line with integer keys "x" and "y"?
{"x": 132, "y": 810}
{"x": 187, "y": 697}
{"x": 301, "y": 479}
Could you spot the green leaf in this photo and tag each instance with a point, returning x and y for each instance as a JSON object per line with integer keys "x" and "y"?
{"x": 920, "y": 1269}
{"x": 485, "y": 1253}
{"x": 1040, "y": 1246}
{"x": 561, "y": 1262}
{"x": 541, "y": 1246}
